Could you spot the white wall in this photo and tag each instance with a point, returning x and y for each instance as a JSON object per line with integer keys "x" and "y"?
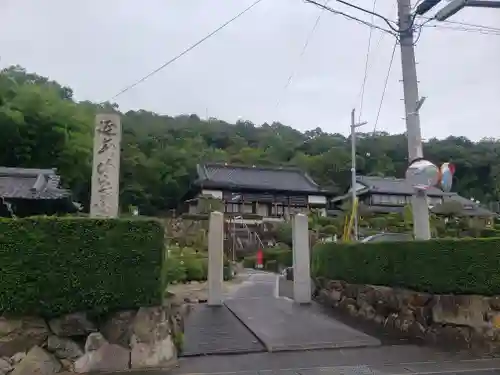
{"x": 316, "y": 199}
{"x": 214, "y": 193}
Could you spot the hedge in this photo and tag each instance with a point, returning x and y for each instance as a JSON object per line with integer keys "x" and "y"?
{"x": 51, "y": 266}
{"x": 274, "y": 259}
{"x": 458, "y": 266}
{"x": 283, "y": 257}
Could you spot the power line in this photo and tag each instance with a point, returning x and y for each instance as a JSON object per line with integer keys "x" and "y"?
{"x": 363, "y": 85}
{"x": 366, "y": 23}
{"x": 372, "y": 13}
{"x": 464, "y": 29}
{"x": 187, "y": 50}
{"x": 491, "y": 28}
{"x": 302, "y": 52}
{"x": 385, "y": 87}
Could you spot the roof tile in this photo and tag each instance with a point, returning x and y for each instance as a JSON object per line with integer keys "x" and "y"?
{"x": 392, "y": 185}
{"x": 27, "y": 183}
{"x": 266, "y": 178}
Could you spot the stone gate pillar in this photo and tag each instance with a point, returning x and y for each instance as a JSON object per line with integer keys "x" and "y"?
{"x": 301, "y": 259}
{"x": 215, "y": 258}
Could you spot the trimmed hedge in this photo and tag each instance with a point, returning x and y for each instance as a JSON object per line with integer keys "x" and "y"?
{"x": 282, "y": 257}
{"x": 458, "y": 266}
{"x": 51, "y": 266}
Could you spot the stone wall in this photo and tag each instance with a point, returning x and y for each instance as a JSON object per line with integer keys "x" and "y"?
{"x": 468, "y": 321}
{"x": 77, "y": 343}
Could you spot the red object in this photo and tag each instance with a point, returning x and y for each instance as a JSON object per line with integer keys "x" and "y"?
{"x": 452, "y": 168}
{"x": 260, "y": 257}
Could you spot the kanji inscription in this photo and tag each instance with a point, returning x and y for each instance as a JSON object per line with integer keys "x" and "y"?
{"x": 106, "y": 166}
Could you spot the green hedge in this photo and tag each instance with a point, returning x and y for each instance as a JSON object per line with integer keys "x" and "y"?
{"x": 52, "y": 266}
{"x": 458, "y": 266}
{"x": 274, "y": 258}
{"x": 282, "y": 257}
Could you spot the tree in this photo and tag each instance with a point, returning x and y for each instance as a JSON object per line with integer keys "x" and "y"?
{"x": 43, "y": 126}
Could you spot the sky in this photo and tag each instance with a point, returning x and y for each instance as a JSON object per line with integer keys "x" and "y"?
{"x": 99, "y": 47}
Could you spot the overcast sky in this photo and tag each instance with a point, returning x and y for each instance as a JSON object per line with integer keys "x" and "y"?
{"x": 98, "y": 47}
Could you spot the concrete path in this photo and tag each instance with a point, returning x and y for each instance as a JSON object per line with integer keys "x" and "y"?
{"x": 215, "y": 330}
{"x": 282, "y": 325}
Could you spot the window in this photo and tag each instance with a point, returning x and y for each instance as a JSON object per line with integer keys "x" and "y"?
{"x": 278, "y": 210}
{"x": 397, "y": 200}
{"x": 434, "y": 201}
{"x": 232, "y": 208}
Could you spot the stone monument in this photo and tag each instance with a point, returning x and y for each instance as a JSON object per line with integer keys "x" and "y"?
{"x": 104, "y": 200}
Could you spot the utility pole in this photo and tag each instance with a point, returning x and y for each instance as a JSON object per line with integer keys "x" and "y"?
{"x": 413, "y": 103}
{"x": 354, "y": 126}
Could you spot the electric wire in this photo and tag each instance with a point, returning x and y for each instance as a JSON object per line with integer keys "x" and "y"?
{"x": 186, "y": 51}
{"x": 302, "y": 53}
{"x": 491, "y": 28}
{"x": 372, "y": 13}
{"x": 367, "y": 60}
{"x": 385, "y": 87}
{"x": 464, "y": 29}
{"x": 366, "y": 23}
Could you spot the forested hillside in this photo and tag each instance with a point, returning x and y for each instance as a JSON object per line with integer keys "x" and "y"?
{"x": 41, "y": 126}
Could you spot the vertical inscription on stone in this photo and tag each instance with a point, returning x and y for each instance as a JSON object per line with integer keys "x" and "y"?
{"x": 106, "y": 166}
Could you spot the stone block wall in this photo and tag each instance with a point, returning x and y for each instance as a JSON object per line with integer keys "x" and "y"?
{"x": 465, "y": 321}
{"x": 77, "y": 343}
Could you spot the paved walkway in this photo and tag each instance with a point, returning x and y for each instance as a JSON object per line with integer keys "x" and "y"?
{"x": 218, "y": 329}
{"x": 282, "y": 325}
{"x": 215, "y": 330}
{"x": 254, "y": 317}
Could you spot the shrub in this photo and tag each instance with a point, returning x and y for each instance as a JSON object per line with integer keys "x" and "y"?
{"x": 174, "y": 270}
{"x": 195, "y": 268}
{"x": 284, "y": 233}
{"x": 52, "y": 266}
{"x": 272, "y": 266}
{"x": 227, "y": 273}
{"x": 283, "y": 257}
{"x": 249, "y": 261}
{"x": 458, "y": 266}
{"x": 185, "y": 264}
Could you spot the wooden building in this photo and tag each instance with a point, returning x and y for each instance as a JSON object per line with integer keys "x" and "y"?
{"x": 268, "y": 193}
{"x": 389, "y": 194}
{"x": 30, "y": 192}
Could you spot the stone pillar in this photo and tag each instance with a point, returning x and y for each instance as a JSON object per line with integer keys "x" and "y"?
{"x": 215, "y": 258}
{"x": 106, "y": 166}
{"x": 301, "y": 260}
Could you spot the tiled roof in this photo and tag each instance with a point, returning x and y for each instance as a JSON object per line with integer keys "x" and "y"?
{"x": 27, "y": 183}
{"x": 251, "y": 177}
{"x": 392, "y": 185}
{"x": 470, "y": 208}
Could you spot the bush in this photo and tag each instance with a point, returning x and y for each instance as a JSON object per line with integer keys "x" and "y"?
{"x": 271, "y": 266}
{"x": 458, "y": 266}
{"x": 51, "y": 266}
{"x": 196, "y": 268}
{"x": 185, "y": 264}
{"x": 174, "y": 270}
{"x": 283, "y": 257}
{"x": 227, "y": 273}
{"x": 249, "y": 261}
